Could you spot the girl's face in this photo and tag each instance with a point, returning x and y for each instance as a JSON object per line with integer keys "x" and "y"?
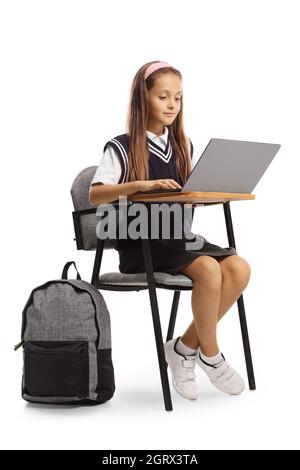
{"x": 164, "y": 101}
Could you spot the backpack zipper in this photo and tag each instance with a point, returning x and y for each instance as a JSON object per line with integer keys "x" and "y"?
{"x": 17, "y": 346}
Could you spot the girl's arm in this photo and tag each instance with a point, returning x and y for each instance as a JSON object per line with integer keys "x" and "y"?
{"x": 105, "y": 193}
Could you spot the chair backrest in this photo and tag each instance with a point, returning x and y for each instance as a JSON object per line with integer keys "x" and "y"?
{"x": 84, "y": 215}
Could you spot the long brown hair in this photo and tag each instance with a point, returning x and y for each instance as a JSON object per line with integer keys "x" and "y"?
{"x": 137, "y": 119}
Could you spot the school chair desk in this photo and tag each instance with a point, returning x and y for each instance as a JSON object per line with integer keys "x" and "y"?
{"x": 85, "y": 221}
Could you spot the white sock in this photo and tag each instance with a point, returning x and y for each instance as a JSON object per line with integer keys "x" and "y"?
{"x": 216, "y": 360}
{"x": 181, "y": 348}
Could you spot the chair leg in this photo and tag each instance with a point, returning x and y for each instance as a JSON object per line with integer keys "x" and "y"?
{"x": 173, "y": 315}
{"x": 246, "y": 343}
{"x": 241, "y": 308}
{"x": 157, "y": 325}
{"x": 97, "y": 262}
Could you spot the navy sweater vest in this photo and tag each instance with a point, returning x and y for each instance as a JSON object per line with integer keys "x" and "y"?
{"x": 162, "y": 164}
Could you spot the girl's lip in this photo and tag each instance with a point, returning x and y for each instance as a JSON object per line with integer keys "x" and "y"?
{"x": 169, "y": 114}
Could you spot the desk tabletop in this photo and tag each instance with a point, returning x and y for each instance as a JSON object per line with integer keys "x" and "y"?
{"x": 192, "y": 197}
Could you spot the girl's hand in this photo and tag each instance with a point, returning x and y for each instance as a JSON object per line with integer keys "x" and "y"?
{"x": 148, "y": 185}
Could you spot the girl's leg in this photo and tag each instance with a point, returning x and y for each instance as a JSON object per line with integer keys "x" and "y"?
{"x": 207, "y": 278}
{"x": 235, "y": 272}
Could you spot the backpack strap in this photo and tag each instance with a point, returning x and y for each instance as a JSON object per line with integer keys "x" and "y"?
{"x": 66, "y": 269}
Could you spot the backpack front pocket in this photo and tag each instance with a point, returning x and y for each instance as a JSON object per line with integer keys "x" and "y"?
{"x": 56, "y": 368}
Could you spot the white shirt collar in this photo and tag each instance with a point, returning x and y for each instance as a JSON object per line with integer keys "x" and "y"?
{"x": 163, "y": 137}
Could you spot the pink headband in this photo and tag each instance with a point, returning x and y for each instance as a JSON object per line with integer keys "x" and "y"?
{"x": 155, "y": 66}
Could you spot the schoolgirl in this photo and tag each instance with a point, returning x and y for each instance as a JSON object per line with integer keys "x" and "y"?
{"x": 155, "y": 153}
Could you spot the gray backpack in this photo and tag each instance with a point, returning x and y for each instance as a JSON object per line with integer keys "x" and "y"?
{"x": 66, "y": 341}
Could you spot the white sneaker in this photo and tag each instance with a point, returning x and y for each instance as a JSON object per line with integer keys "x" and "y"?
{"x": 182, "y": 369}
{"x": 223, "y": 377}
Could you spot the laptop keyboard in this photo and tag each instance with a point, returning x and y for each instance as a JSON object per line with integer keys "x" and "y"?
{"x": 169, "y": 190}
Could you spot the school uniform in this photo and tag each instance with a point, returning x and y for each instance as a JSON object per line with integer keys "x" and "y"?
{"x": 167, "y": 255}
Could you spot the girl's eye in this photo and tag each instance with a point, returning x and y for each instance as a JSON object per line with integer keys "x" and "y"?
{"x": 163, "y": 97}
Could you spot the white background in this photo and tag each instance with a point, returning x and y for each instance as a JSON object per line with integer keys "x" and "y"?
{"x": 66, "y": 71}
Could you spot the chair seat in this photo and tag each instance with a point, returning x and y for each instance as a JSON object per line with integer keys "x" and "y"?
{"x": 165, "y": 280}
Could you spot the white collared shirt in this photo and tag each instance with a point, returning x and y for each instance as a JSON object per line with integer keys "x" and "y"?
{"x": 161, "y": 140}
{"x": 109, "y": 169}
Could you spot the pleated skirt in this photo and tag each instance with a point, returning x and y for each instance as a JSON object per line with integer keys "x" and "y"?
{"x": 168, "y": 256}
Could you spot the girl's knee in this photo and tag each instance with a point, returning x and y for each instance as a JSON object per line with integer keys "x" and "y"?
{"x": 237, "y": 268}
{"x": 205, "y": 269}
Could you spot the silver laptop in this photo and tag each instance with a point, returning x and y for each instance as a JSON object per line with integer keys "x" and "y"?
{"x": 231, "y": 166}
